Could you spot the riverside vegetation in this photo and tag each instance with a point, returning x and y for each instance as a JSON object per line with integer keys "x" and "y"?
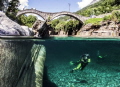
{"x": 67, "y": 23}
{"x": 99, "y": 8}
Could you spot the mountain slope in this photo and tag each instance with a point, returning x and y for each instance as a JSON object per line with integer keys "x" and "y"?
{"x": 98, "y": 7}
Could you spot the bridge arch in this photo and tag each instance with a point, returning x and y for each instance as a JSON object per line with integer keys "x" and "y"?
{"x": 30, "y": 11}
{"x": 79, "y": 18}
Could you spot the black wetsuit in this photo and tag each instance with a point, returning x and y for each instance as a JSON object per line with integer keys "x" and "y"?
{"x": 84, "y": 63}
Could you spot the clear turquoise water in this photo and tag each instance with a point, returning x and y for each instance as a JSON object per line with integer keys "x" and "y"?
{"x": 81, "y": 38}
{"x": 101, "y": 72}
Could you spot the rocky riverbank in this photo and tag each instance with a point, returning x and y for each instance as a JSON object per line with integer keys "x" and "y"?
{"x": 9, "y": 27}
{"x": 104, "y": 29}
{"x": 12, "y": 28}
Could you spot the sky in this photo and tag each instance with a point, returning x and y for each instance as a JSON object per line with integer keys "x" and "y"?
{"x": 54, "y": 5}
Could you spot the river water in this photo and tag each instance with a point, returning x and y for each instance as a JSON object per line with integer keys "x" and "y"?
{"x": 103, "y": 71}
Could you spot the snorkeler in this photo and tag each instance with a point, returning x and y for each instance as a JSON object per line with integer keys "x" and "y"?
{"x": 81, "y": 64}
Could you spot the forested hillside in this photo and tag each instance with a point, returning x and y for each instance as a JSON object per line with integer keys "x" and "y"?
{"x": 101, "y": 7}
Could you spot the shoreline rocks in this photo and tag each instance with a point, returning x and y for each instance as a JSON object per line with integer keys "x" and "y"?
{"x": 9, "y": 27}
{"x": 107, "y": 28}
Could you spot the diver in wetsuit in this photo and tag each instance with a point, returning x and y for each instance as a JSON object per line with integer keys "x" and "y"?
{"x": 81, "y": 64}
{"x": 100, "y": 58}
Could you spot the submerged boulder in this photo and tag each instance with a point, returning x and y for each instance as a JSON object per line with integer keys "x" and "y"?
{"x": 23, "y": 67}
{"x": 9, "y": 27}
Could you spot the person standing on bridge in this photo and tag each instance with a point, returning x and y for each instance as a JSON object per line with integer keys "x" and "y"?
{"x": 82, "y": 63}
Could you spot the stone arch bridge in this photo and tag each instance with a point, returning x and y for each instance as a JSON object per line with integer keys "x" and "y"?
{"x": 51, "y": 16}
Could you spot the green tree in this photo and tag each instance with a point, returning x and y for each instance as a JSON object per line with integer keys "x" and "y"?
{"x": 65, "y": 24}
{"x": 107, "y": 18}
{"x": 27, "y": 20}
{"x": 75, "y": 24}
{"x": 115, "y": 16}
{"x": 69, "y": 24}
{"x": 12, "y": 9}
{"x": 31, "y": 20}
{"x": 60, "y": 25}
{"x": 54, "y": 23}
{"x": 22, "y": 20}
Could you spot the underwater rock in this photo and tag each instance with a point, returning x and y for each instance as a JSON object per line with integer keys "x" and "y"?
{"x": 23, "y": 67}
{"x": 79, "y": 81}
{"x": 83, "y": 81}
{"x": 9, "y": 27}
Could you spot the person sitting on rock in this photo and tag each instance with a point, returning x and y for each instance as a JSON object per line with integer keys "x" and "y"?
{"x": 81, "y": 64}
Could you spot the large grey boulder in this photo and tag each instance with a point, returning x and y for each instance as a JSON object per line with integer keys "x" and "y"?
{"x": 28, "y": 30}
{"x": 9, "y": 27}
